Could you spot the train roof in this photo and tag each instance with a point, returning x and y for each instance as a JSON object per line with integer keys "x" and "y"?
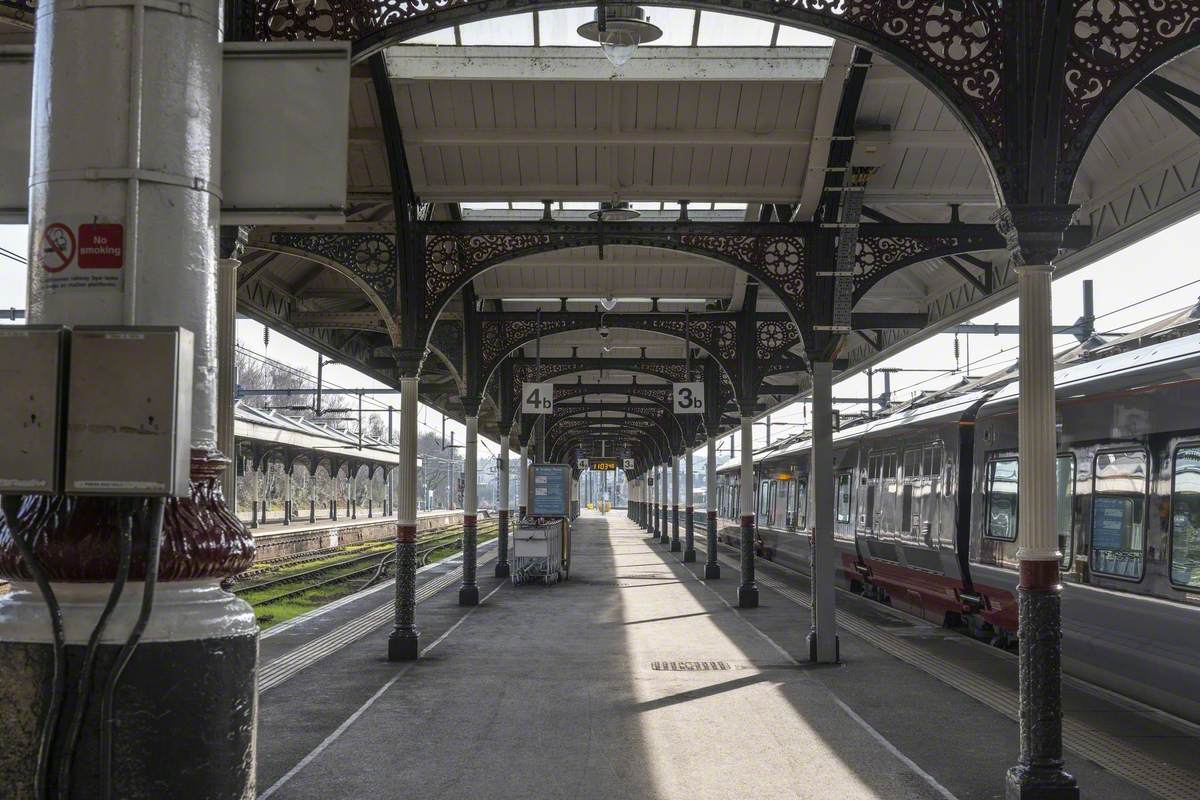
{"x": 1083, "y": 369}
{"x": 1099, "y": 374}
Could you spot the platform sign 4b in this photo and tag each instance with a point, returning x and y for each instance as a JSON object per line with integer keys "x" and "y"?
{"x": 689, "y": 397}
{"x": 537, "y": 398}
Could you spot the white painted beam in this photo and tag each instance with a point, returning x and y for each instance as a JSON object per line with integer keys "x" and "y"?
{"x": 433, "y": 63}
{"x": 786, "y": 137}
{"x": 671, "y": 192}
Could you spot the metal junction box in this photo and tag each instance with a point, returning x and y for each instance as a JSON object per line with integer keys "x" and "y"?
{"x": 32, "y": 376}
{"x": 129, "y": 419}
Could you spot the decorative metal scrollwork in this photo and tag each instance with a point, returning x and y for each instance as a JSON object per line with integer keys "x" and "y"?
{"x": 774, "y": 337}
{"x": 1109, "y": 38}
{"x": 779, "y": 259}
{"x": 877, "y": 255}
{"x": 371, "y": 257}
{"x": 451, "y": 260}
{"x": 23, "y": 8}
{"x": 961, "y": 43}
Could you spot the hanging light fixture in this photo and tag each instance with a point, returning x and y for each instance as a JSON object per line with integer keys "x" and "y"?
{"x": 620, "y": 28}
{"x": 619, "y": 211}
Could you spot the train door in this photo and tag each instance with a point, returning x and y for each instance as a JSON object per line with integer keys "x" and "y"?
{"x": 870, "y": 507}
{"x": 931, "y": 491}
{"x": 783, "y": 504}
{"x": 800, "y": 511}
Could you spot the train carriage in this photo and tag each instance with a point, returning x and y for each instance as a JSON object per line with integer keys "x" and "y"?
{"x": 926, "y": 515}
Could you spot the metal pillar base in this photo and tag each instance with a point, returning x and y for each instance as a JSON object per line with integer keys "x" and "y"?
{"x": 712, "y": 572}
{"x": 1026, "y": 783}
{"x": 689, "y": 556}
{"x": 468, "y": 596}
{"x": 812, "y": 648}
{"x": 404, "y": 647}
{"x": 1039, "y": 774}
{"x": 189, "y": 740}
{"x": 676, "y": 546}
{"x": 503, "y": 570}
{"x": 748, "y": 596}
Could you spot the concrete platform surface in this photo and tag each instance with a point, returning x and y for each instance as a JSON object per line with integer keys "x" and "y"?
{"x": 632, "y": 680}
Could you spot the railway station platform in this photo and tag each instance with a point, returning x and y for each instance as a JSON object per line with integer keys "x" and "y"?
{"x": 636, "y": 679}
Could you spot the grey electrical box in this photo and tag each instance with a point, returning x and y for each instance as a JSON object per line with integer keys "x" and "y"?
{"x": 129, "y": 420}
{"x": 32, "y": 376}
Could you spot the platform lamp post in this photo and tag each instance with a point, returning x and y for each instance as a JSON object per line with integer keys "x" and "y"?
{"x": 1034, "y": 235}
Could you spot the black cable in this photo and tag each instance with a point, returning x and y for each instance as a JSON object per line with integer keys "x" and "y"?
{"x": 11, "y": 508}
{"x": 153, "y": 532}
{"x": 125, "y": 548}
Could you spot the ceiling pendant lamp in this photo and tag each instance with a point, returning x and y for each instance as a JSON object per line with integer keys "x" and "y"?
{"x": 617, "y": 211}
{"x": 620, "y": 28}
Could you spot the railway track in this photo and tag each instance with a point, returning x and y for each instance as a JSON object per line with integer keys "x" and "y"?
{"x": 373, "y": 565}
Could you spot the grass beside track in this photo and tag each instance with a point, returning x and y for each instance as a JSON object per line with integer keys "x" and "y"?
{"x": 274, "y": 613}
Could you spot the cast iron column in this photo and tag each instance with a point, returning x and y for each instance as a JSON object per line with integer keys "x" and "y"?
{"x": 125, "y": 146}
{"x": 689, "y": 538}
{"x": 468, "y": 595}
{"x": 676, "y": 546}
{"x": 664, "y": 528}
{"x": 712, "y": 569}
{"x": 404, "y": 642}
{"x": 748, "y": 590}
{"x": 1039, "y": 772}
{"x": 502, "y": 567}
{"x": 522, "y": 481}
{"x": 822, "y": 638}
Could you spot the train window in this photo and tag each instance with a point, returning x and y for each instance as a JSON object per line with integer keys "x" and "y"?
{"x": 1185, "y": 519}
{"x": 906, "y": 504}
{"x": 1119, "y": 514}
{"x": 1002, "y": 500}
{"x": 1064, "y": 469}
{"x": 764, "y": 501}
{"x": 802, "y": 504}
{"x": 843, "y": 497}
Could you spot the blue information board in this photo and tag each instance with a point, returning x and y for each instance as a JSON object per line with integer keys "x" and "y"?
{"x": 1110, "y": 518}
{"x": 551, "y": 490}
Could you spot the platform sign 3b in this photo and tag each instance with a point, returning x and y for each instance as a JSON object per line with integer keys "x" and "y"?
{"x": 537, "y": 398}
{"x": 628, "y": 464}
{"x": 689, "y": 397}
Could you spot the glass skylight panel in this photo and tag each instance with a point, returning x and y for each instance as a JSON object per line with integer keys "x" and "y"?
{"x": 676, "y": 25}
{"x": 516, "y": 30}
{"x": 558, "y": 28}
{"x": 726, "y": 30}
{"x": 795, "y": 37}
{"x": 444, "y": 36}
{"x": 483, "y": 205}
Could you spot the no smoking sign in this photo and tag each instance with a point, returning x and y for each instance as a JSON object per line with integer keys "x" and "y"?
{"x": 58, "y": 247}
{"x": 83, "y": 255}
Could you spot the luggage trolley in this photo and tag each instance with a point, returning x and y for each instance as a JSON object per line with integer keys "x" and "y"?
{"x": 542, "y": 541}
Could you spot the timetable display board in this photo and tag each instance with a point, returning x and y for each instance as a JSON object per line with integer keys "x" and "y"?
{"x": 551, "y": 495}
